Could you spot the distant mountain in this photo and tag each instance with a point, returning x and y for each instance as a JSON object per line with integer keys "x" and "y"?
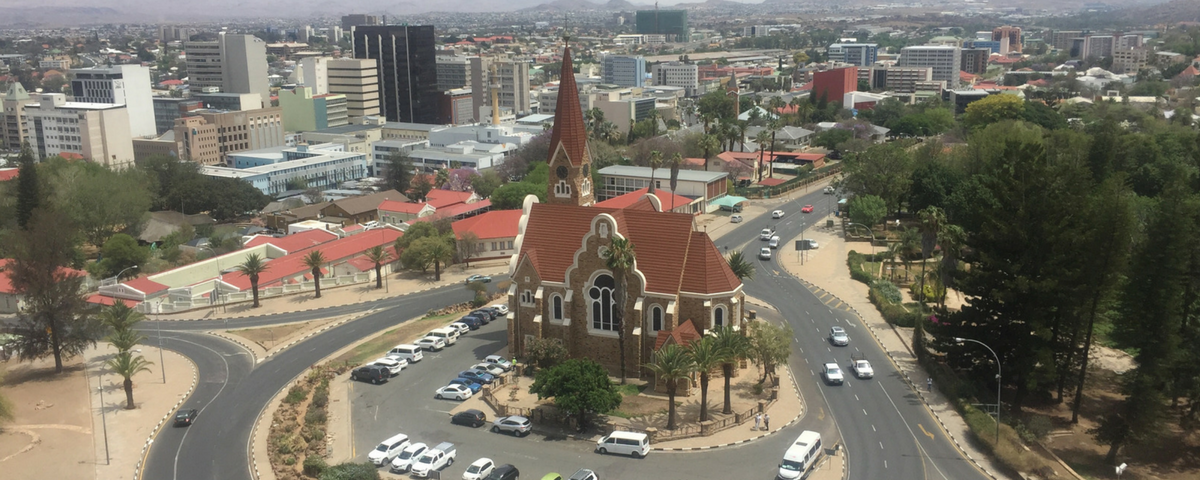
{"x": 47, "y": 15}
{"x": 619, "y": 5}
{"x": 715, "y": 4}
{"x": 1171, "y": 12}
{"x": 577, "y": 5}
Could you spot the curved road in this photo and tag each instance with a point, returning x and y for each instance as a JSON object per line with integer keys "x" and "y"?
{"x": 885, "y": 428}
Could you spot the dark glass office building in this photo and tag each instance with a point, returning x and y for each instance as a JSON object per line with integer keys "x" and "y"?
{"x": 672, "y": 23}
{"x": 408, "y": 89}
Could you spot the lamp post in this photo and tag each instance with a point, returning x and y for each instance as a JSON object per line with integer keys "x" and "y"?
{"x": 998, "y": 384}
{"x": 103, "y": 419}
{"x": 869, "y": 231}
{"x": 117, "y": 277}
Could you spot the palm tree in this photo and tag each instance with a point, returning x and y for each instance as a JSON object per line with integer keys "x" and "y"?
{"x": 120, "y": 316}
{"x": 910, "y": 243}
{"x": 671, "y": 364}
{"x": 440, "y": 252}
{"x": 126, "y": 365}
{"x": 655, "y": 161}
{"x": 739, "y": 133}
{"x": 710, "y": 144}
{"x": 735, "y": 347}
{"x": 951, "y": 239}
{"x": 775, "y": 125}
{"x": 676, "y": 161}
{"x": 125, "y": 340}
{"x": 620, "y": 258}
{"x": 379, "y": 256}
{"x": 743, "y": 269}
{"x": 706, "y": 355}
{"x": 761, "y": 139}
{"x": 932, "y": 218}
{"x": 315, "y": 260}
{"x": 252, "y": 267}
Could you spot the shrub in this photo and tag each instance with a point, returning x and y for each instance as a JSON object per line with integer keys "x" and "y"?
{"x": 856, "y": 261}
{"x": 894, "y": 313}
{"x": 320, "y": 399}
{"x": 888, "y": 290}
{"x": 315, "y": 417}
{"x": 289, "y": 460}
{"x": 351, "y": 471}
{"x": 296, "y": 395}
{"x": 314, "y": 466}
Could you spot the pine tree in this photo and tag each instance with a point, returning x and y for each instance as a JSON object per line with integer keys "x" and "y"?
{"x": 28, "y": 189}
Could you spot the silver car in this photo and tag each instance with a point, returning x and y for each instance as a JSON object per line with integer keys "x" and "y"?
{"x": 517, "y": 425}
{"x": 838, "y": 336}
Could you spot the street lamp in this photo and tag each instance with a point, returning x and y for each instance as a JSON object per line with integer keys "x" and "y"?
{"x": 998, "y": 385}
{"x": 869, "y": 231}
{"x": 116, "y": 279}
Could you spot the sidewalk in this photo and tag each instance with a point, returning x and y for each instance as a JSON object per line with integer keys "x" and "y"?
{"x": 51, "y": 433}
{"x": 717, "y": 224}
{"x": 826, "y": 274}
{"x": 395, "y": 284}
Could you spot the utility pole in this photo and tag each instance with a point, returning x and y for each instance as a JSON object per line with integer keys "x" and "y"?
{"x": 103, "y": 419}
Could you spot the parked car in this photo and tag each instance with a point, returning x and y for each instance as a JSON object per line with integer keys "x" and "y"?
{"x": 584, "y": 474}
{"x": 773, "y": 242}
{"x": 470, "y": 417}
{"x": 435, "y": 459}
{"x": 502, "y": 307}
{"x": 479, "y": 469}
{"x": 454, "y": 391}
{"x": 504, "y": 472}
{"x": 371, "y": 373}
{"x": 403, "y": 462}
{"x": 479, "y": 278}
{"x": 471, "y": 321}
{"x": 461, "y": 327}
{"x": 636, "y": 445}
{"x": 466, "y": 382}
{"x": 735, "y": 219}
{"x": 861, "y": 366}
{"x": 499, "y": 361}
{"x": 777, "y": 214}
{"x": 806, "y": 209}
{"x": 832, "y": 374}
{"x": 393, "y": 365}
{"x": 552, "y": 476}
{"x": 431, "y": 343}
{"x": 484, "y": 378}
{"x": 809, "y": 244}
{"x": 185, "y": 417}
{"x": 516, "y": 425}
{"x": 764, "y": 253}
{"x": 496, "y": 313}
{"x": 486, "y": 314}
{"x": 387, "y": 450}
{"x": 408, "y": 352}
{"x": 490, "y": 368}
{"x": 838, "y": 336}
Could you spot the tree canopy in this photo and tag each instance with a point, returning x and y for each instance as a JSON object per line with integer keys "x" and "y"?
{"x": 578, "y": 386}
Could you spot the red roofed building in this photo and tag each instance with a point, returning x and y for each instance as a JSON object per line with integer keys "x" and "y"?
{"x": 663, "y": 201}
{"x": 290, "y": 268}
{"x": 495, "y": 233}
{"x": 7, "y": 174}
{"x": 10, "y": 300}
{"x": 562, "y": 288}
{"x": 294, "y": 242}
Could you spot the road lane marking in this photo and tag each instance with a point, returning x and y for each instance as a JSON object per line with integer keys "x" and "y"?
{"x": 856, "y": 397}
{"x": 821, "y": 415}
{"x": 864, "y": 412}
{"x": 926, "y": 432}
{"x": 873, "y": 428}
{"x": 881, "y": 445}
{"x": 924, "y": 454}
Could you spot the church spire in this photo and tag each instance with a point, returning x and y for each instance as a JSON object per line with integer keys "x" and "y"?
{"x": 570, "y": 161}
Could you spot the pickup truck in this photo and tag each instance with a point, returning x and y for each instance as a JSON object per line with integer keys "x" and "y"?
{"x": 861, "y": 366}
{"x": 439, "y": 457}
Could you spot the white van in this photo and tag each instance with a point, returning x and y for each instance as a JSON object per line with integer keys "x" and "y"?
{"x": 801, "y": 455}
{"x": 636, "y": 445}
{"x": 411, "y": 353}
{"x": 449, "y": 334}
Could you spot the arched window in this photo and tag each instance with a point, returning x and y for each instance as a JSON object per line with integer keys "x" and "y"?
{"x": 562, "y": 189}
{"x": 556, "y": 307}
{"x": 600, "y": 300}
{"x": 527, "y": 297}
{"x": 656, "y": 318}
{"x": 719, "y": 316}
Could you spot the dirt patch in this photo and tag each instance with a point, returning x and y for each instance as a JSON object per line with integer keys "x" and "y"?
{"x": 269, "y": 337}
{"x": 57, "y": 411}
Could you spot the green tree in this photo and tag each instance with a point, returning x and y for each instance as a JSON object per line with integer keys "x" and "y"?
{"x": 710, "y": 144}
{"x": 437, "y": 251}
{"x": 126, "y": 365}
{"x": 420, "y": 186}
{"x": 379, "y": 256}
{"x": 993, "y": 109}
{"x": 351, "y": 471}
{"x": 868, "y": 210}
{"x": 671, "y": 364}
{"x": 121, "y": 251}
{"x": 706, "y": 355}
{"x": 511, "y": 196}
{"x": 399, "y": 173}
{"x": 468, "y": 247}
{"x": 743, "y": 269}
{"x": 6, "y": 406}
{"x": 580, "y": 386}
{"x": 315, "y": 261}
{"x": 830, "y": 139}
{"x": 883, "y": 170}
{"x": 486, "y": 183}
{"x": 734, "y": 347}
{"x": 544, "y": 353}
{"x": 29, "y": 195}
{"x": 253, "y": 266}
{"x": 120, "y": 316}
{"x": 414, "y": 257}
{"x": 770, "y": 345}
{"x": 620, "y": 258}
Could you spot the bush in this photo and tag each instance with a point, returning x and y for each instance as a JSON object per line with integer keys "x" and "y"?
{"x": 857, "y": 262}
{"x": 296, "y": 395}
{"x": 289, "y": 460}
{"x": 320, "y": 399}
{"x": 888, "y": 290}
{"x": 351, "y": 471}
{"x": 315, "y": 417}
{"x": 895, "y": 313}
{"x": 314, "y": 466}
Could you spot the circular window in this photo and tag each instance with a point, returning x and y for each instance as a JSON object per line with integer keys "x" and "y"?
{"x": 561, "y": 171}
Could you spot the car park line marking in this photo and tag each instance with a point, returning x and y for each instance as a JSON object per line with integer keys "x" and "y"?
{"x": 926, "y": 432}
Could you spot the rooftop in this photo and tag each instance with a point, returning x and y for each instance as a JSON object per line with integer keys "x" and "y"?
{"x": 644, "y": 172}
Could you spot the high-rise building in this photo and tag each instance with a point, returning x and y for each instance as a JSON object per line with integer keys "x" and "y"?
{"x": 510, "y": 76}
{"x": 98, "y": 132}
{"x": 1009, "y": 38}
{"x": 678, "y": 74}
{"x": 233, "y": 63}
{"x": 975, "y": 60}
{"x": 210, "y": 136}
{"x": 167, "y": 109}
{"x": 1063, "y": 39}
{"x": 991, "y": 46}
{"x": 624, "y": 70}
{"x": 1129, "y": 40}
{"x": 358, "y": 19}
{"x": 832, "y": 85}
{"x": 314, "y": 73}
{"x": 860, "y": 54}
{"x": 455, "y": 106}
{"x": 1128, "y": 61}
{"x": 672, "y": 23}
{"x": 453, "y": 71}
{"x": 13, "y": 130}
{"x": 1097, "y": 46}
{"x": 305, "y": 112}
{"x": 174, "y": 33}
{"x": 358, "y": 80}
{"x": 944, "y": 60}
{"x": 408, "y": 90}
{"x": 127, "y": 85}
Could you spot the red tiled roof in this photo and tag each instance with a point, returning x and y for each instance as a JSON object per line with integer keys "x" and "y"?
{"x": 808, "y": 157}
{"x": 171, "y": 82}
{"x": 7, "y": 174}
{"x": 71, "y": 156}
{"x": 445, "y": 198}
{"x": 461, "y": 208}
{"x": 401, "y": 207}
{"x": 771, "y": 182}
{"x": 682, "y": 335}
{"x": 295, "y": 242}
{"x": 664, "y": 241}
{"x": 493, "y": 224}
{"x": 99, "y": 299}
{"x": 1190, "y": 71}
{"x": 145, "y": 285}
{"x": 292, "y": 264}
{"x": 568, "y": 117}
{"x": 632, "y": 199}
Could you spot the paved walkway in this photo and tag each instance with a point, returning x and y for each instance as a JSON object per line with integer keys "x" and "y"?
{"x": 396, "y": 284}
{"x": 825, "y": 271}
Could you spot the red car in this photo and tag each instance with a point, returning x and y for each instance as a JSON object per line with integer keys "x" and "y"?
{"x": 807, "y": 209}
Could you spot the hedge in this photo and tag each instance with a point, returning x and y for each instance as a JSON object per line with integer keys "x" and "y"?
{"x": 895, "y": 313}
{"x": 857, "y": 261}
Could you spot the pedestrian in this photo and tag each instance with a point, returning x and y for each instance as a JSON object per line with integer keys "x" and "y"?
{"x": 767, "y": 422}
{"x": 929, "y": 384}
{"x": 757, "y": 421}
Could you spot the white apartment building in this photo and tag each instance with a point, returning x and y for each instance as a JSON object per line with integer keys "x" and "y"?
{"x": 453, "y": 72}
{"x": 678, "y": 74}
{"x": 127, "y": 85}
{"x": 624, "y": 70}
{"x": 944, "y": 60}
{"x": 513, "y": 79}
{"x": 358, "y": 80}
{"x": 1128, "y": 61}
{"x": 313, "y": 72}
{"x": 98, "y": 132}
{"x": 234, "y": 63}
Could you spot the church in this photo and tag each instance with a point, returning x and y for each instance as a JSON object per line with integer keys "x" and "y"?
{"x": 562, "y": 289}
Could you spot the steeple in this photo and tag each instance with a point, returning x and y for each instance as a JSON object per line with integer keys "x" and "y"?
{"x": 732, "y": 90}
{"x": 570, "y": 161}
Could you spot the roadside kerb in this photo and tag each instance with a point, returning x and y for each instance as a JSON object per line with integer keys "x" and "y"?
{"x": 137, "y": 470}
{"x": 237, "y": 341}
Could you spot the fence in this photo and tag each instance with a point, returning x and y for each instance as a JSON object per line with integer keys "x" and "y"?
{"x": 794, "y": 184}
{"x": 182, "y": 303}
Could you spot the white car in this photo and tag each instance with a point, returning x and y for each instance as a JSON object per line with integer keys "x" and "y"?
{"x": 461, "y": 327}
{"x": 493, "y": 369}
{"x": 388, "y": 449}
{"x": 432, "y": 343}
{"x": 403, "y": 462}
{"x": 777, "y": 214}
{"x": 764, "y": 254}
{"x": 480, "y": 469}
{"x": 394, "y": 365}
{"x": 766, "y": 234}
{"x": 810, "y": 244}
{"x": 499, "y": 361}
{"x": 502, "y": 308}
{"x": 862, "y": 368}
{"x": 455, "y": 391}
{"x": 735, "y": 219}
{"x": 773, "y": 242}
{"x": 832, "y": 374}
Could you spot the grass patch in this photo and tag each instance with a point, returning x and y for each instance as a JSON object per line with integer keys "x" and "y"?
{"x": 630, "y": 389}
{"x": 405, "y": 333}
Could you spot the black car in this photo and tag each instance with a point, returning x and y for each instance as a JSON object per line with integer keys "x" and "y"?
{"x": 484, "y": 315}
{"x": 504, "y": 472}
{"x": 185, "y": 417}
{"x": 494, "y": 311}
{"x": 471, "y": 418}
{"x": 472, "y": 321}
{"x": 371, "y": 373}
